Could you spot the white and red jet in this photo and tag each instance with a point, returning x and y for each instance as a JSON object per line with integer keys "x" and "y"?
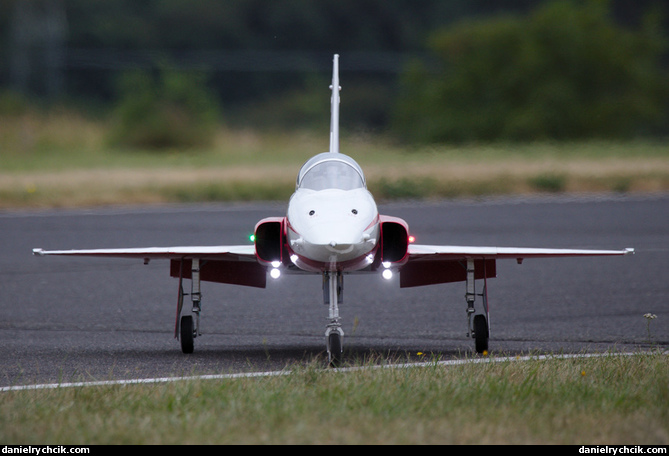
{"x": 332, "y": 227}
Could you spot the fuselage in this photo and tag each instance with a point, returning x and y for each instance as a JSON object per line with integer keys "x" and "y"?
{"x": 332, "y": 223}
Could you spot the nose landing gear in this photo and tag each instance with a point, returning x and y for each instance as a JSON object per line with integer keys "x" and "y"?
{"x": 333, "y": 288}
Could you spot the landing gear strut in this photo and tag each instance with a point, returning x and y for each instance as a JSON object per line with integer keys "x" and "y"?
{"x": 188, "y": 326}
{"x": 477, "y": 325}
{"x": 333, "y": 287}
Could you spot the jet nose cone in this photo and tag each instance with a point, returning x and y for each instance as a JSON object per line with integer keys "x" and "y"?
{"x": 333, "y": 235}
{"x": 340, "y": 247}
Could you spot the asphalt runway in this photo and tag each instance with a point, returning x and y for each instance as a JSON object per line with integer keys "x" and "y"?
{"x": 79, "y": 319}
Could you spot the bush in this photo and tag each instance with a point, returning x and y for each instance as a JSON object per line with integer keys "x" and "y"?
{"x": 13, "y": 104}
{"x": 172, "y": 110}
{"x": 566, "y": 71}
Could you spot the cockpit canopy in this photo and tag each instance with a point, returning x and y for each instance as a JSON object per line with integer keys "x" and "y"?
{"x": 331, "y": 170}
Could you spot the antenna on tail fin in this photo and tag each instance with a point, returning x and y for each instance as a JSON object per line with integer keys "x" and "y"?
{"x": 334, "y": 110}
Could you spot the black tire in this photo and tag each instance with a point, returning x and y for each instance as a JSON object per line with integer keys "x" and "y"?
{"x": 187, "y": 335}
{"x": 480, "y": 334}
{"x": 335, "y": 353}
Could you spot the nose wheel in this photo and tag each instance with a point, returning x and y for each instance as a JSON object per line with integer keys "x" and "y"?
{"x": 335, "y": 349}
{"x": 333, "y": 287}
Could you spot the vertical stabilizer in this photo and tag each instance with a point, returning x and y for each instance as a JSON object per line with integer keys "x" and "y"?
{"x": 334, "y": 109}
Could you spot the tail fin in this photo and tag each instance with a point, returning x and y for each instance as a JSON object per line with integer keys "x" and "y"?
{"x": 334, "y": 109}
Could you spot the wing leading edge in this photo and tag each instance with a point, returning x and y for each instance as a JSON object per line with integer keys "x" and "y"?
{"x": 519, "y": 253}
{"x": 205, "y": 252}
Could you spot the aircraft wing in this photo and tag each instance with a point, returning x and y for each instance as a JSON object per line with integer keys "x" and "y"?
{"x": 234, "y": 264}
{"x": 432, "y": 264}
{"x": 205, "y": 252}
{"x": 519, "y": 253}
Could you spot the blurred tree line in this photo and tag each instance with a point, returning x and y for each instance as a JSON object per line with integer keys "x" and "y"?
{"x": 433, "y": 70}
{"x": 562, "y": 72}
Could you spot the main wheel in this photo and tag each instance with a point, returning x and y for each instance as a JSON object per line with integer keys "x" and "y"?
{"x": 480, "y": 334}
{"x": 187, "y": 334}
{"x": 334, "y": 349}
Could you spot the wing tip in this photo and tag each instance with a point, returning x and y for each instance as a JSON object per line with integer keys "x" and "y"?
{"x": 38, "y": 252}
{"x": 628, "y": 251}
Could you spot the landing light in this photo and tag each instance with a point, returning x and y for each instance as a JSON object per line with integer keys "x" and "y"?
{"x": 412, "y": 239}
{"x": 275, "y": 273}
{"x": 387, "y": 272}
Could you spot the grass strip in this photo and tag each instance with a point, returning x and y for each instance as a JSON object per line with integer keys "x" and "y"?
{"x": 612, "y": 399}
{"x": 66, "y": 161}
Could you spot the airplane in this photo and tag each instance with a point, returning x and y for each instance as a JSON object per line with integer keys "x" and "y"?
{"x": 332, "y": 228}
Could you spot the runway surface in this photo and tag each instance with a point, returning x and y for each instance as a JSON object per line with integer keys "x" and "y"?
{"x": 79, "y": 319}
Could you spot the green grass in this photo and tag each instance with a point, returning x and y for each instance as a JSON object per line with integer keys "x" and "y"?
{"x": 610, "y": 400}
{"x": 62, "y": 159}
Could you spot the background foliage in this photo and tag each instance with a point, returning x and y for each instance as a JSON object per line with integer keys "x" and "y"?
{"x": 532, "y": 68}
{"x": 565, "y": 71}
{"x": 170, "y": 109}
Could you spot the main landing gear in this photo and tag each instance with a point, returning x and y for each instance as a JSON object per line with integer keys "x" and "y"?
{"x": 187, "y": 327}
{"x": 333, "y": 292}
{"x": 477, "y": 325}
